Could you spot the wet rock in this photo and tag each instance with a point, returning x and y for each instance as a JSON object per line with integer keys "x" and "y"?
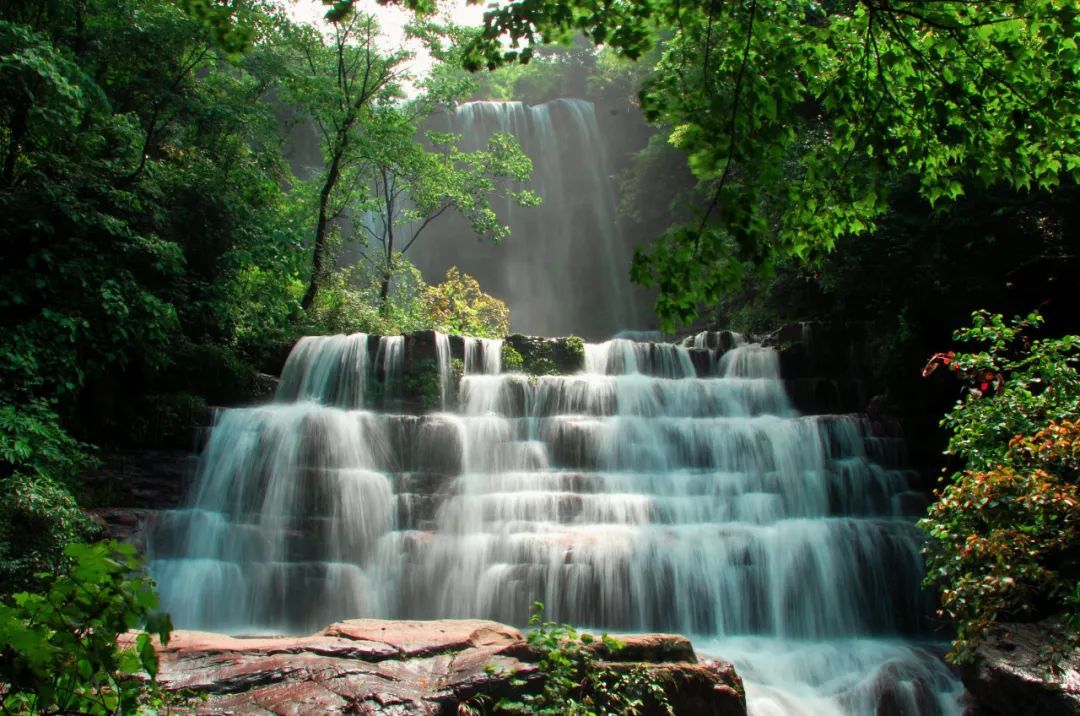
{"x": 1010, "y": 675}
{"x": 371, "y": 666}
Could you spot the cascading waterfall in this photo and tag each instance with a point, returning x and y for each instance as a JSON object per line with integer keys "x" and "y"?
{"x": 442, "y": 361}
{"x": 570, "y": 246}
{"x": 632, "y": 496}
{"x": 483, "y": 355}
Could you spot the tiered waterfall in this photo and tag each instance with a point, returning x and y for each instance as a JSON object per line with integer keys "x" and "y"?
{"x": 644, "y": 493}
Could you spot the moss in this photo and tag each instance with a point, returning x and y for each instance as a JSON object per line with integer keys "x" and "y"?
{"x": 511, "y": 359}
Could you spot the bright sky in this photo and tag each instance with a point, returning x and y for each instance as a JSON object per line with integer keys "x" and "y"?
{"x": 392, "y": 21}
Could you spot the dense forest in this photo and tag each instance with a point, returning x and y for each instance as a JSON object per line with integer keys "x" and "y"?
{"x": 899, "y": 164}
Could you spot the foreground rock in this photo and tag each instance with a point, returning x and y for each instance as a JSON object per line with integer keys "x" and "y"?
{"x": 370, "y": 666}
{"x": 1010, "y": 677}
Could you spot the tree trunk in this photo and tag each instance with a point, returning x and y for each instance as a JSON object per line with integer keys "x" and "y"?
{"x": 318, "y": 261}
{"x": 388, "y": 274}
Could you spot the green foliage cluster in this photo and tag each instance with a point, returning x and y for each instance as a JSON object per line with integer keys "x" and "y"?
{"x": 577, "y": 682}
{"x": 39, "y": 462}
{"x": 511, "y": 358}
{"x": 350, "y": 302}
{"x": 575, "y": 348}
{"x": 422, "y": 384}
{"x": 457, "y": 305}
{"x": 59, "y": 651}
{"x": 541, "y": 361}
{"x": 1006, "y": 528}
{"x": 1016, "y": 385}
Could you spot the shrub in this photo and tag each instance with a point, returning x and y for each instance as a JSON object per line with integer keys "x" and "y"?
{"x": 576, "y": 683}
{"x": 541, "y": 361}
{"x": 38, "y": 517}
{"x": 575, "y": 348}
{"x": 511, "y": 358}
{"x": 1006, "y": 528}
{"x": 39, "y": 463}
{"x": 1015, "y": 386}
{"x": 60, "y": 650}
{"x": 457, "y": 305}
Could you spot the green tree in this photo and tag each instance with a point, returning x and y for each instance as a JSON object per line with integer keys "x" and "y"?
{"x": 414, "y": 184}
{"x": 336, "y": 84}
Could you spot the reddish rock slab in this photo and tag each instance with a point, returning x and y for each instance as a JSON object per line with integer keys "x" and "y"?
{"x": 424, "y": 638}
{"x": 371, "y": 666}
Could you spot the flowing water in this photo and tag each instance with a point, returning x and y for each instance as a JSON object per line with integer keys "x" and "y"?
{"x": 570, "y": 246}
{"x": 633, "y": 496}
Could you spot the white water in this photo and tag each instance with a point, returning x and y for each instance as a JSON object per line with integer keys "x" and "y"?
{"x": 483, "y": 355}
{"x": 634, "y": 496}
{"x": 442, "y": 358}
{"x": 570, "y": 246}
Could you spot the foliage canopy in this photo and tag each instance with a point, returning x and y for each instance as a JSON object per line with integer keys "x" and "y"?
{"x": 798, "y": 118}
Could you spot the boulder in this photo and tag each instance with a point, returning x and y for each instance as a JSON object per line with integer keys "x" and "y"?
{"x": 1010, "y": 673}
{"x": 372, "y": 666}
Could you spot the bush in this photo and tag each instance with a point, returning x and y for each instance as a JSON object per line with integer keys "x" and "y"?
{"x": 349, "y": 302}
{"x": 60, "y": 651}
{"x": 1016, "y": 386}
{"x": 575, "y": 348}
{"x": 38, "y": 517}
{"x": 1006, "y": 528}
{"x": 511, "y": 359}
{"x": 541, "y": 361}
{"x": 457, "y": 305}
{"x": 576, "y": 683}
{"x": 39, "y": 463}
{"x": 422, "y": 384}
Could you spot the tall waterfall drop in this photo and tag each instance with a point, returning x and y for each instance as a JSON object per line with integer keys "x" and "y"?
{"x": 569, "y": 247}
{"x": 645, "y": 493}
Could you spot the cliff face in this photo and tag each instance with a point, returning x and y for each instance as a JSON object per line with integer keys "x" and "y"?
{"x": 371, "y": 666}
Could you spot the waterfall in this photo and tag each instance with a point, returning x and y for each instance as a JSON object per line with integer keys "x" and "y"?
{"x": 483, "y": 355}
{"x": 570, "y": 246}
{"x": 338, "y": 370}
{"x": 327, "y": 369}
{"x": 634, "y": 495}
{"x": 442, "y": 358}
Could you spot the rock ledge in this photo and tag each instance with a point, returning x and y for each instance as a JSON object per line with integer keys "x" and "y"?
{"x": 372, "y": 666}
